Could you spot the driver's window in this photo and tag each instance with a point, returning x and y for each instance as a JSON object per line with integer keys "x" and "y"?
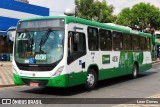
{"x": 76, "y": 43}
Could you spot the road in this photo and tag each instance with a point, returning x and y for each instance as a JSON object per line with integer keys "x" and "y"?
{"x": 146, "y": 85}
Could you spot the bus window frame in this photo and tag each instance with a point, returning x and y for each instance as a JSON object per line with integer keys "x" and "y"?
{"x": 121, "y": 41}
{"x": 98, "y": 39}
{"x": 145, "y": 47}
{"x": 130, "y": 36}
{"x": 133, "y": 43}
{"x": 71, "y": 58}
{"x": 148, "y": 44}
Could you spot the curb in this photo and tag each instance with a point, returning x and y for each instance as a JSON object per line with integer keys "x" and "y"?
{"x": 11, "y": 85}
{"x": 154, "y": 62}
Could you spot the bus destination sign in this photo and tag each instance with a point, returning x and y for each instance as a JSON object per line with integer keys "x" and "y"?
{"x": 41, "y": 23}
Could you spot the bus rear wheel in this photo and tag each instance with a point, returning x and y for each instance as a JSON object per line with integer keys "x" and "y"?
{"x": 91, "y": 80}
{"x": 134, "y": 71}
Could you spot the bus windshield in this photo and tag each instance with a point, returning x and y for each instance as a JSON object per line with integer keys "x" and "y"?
{"x": 39, "y": 47}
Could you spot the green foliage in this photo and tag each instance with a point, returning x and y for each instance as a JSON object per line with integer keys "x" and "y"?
{"x": 124, "y": 17}
{"x": 95, "y": 10}
{"x": 142, "y": 15}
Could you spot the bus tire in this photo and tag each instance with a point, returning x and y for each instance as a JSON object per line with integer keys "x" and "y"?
{"x": 91, "y": 80}
{"x": 134, "y": 71}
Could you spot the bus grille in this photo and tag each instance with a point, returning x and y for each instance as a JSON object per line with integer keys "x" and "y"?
{"x": 35, "y": 68}
{"x": 40, "y": 82}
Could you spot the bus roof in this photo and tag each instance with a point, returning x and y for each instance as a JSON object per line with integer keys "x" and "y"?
{"x": 72, "y": 19}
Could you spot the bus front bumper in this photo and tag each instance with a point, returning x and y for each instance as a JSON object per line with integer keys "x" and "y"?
{"x": 59, "y": 81}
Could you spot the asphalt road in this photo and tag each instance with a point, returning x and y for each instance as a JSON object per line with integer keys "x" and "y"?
{"x": 147, "y": 84}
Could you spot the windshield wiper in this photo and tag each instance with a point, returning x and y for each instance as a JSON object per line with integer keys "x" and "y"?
{"x": 30, "y": 40}
{"x": 44, "y": 38}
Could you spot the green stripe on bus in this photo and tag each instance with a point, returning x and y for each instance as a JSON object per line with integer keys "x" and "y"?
{"x": 66, "y": 80}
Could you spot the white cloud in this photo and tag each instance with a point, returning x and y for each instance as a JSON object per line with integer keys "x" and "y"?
{"x": 119, "y": 5}
{"x": 57, "y": 7}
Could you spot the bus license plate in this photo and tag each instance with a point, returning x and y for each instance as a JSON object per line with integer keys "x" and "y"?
{"x": 33, "y": 84}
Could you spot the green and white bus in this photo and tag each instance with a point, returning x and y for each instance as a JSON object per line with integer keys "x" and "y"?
{"x": 65, "y": 51}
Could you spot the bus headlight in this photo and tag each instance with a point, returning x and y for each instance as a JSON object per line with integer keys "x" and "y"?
{"x": 59, "y": 71}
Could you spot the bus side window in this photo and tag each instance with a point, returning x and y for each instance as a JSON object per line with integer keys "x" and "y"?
{"x": 136, "y": 42}
{"x": 158, "y": 36}
{"x": 105, "y": 40}
{"x": 117, "y": 41}
{"x": 127, "y": 42}
{"x": 93, "y": 39}
{"x": 143, "y": 43}
{"x": 148, "y": 44}
{"x": 69, "y": 43}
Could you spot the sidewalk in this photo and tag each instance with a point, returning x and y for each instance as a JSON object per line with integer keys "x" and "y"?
{"x": 156, "y": 61}
{"x": 6, "y": 78}
{"x": 5, "y": 63}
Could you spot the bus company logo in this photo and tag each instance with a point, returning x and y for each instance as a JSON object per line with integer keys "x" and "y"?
{"x": 115, "y": 58}
{"x": 6, "y": 101}
{"x": 106, "y": 59}
{"x": 77, "y": 28}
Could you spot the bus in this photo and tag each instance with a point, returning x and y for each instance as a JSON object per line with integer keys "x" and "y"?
{"x": 11, "y": 33}
{"x": 65, "y": 51}
{"x": 156, "y": 45}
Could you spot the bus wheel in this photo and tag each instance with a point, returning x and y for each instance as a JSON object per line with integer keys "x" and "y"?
{"x": 91, "y": 81}
{"x": 134, "y": 71}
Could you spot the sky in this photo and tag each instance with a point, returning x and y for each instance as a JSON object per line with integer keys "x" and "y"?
{"x": 57, "y": 7}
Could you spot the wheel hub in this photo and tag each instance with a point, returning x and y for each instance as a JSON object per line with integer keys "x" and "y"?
{"x": 90, "y": 79}
{"x": 135, "y": 72}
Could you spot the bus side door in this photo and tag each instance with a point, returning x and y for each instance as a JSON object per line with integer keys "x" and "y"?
{"x": 76, "y": 54}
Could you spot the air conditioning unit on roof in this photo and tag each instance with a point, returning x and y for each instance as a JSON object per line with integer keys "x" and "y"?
{"x": 112, "y": 24}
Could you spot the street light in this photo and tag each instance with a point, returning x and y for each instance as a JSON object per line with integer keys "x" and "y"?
{"x": 71, "y": 12}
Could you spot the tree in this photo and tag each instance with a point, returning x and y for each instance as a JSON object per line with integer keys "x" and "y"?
{"x": 124, "y": 18}
{"x": 95, "y": 10}
{"x": 142, "y": 15}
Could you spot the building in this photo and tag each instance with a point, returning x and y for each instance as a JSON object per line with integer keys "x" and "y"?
{"x": 10, "y": 12}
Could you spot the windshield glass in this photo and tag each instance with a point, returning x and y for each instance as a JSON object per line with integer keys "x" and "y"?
{"x": 39, "y": 47}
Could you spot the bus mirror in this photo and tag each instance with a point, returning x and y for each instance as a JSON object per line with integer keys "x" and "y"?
{"x": 69, "y": 34}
